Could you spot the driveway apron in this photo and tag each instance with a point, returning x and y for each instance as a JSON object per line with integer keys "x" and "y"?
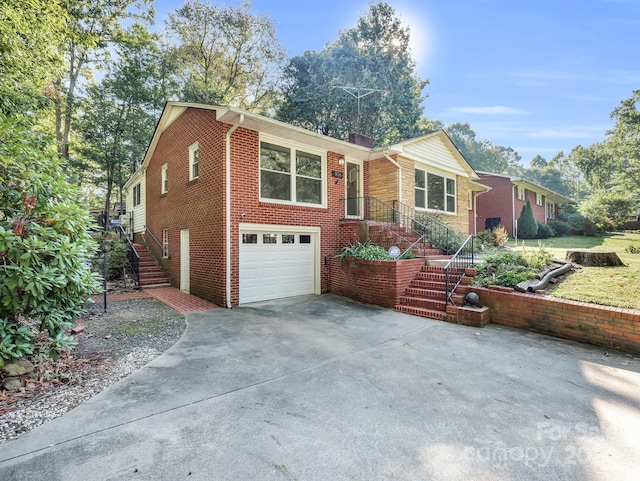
{"x": 324, "y": 388}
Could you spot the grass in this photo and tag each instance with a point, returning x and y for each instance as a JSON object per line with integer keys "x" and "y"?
{"x": 610, "y": 286}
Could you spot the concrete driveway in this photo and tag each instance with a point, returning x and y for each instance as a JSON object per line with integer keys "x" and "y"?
{"x": 323, "y": 388}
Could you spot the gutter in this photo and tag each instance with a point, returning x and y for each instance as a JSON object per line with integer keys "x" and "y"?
{"x": 228, "y": 207}
{"x": 399, "y": 174}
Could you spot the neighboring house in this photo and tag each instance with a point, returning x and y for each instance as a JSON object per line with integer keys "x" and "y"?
{"x": 503, "y": 203}
{"x": 246, "y": 208}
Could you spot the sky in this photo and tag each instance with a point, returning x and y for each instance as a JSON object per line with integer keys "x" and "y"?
{"x": 539, "y": 76}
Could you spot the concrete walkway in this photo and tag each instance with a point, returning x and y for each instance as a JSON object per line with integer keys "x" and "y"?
{"x": 322, "y": 388}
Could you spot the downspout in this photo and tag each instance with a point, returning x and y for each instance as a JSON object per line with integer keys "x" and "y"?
{"x": 228, "y": 207}
{"x": 399, "y": 175}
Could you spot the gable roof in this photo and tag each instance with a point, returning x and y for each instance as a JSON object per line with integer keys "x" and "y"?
{"x": 412, "y": 148}
{"x": 436, "y": 148}
{"x": 526, "y": 184}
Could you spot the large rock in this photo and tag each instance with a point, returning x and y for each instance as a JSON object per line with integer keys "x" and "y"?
{"x": 591, "y": 258}
{"x": 18, "y": 368}
{"x": 12, "y": 384}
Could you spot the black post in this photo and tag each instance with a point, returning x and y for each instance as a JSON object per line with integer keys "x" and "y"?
{"x": 104, "y": 280}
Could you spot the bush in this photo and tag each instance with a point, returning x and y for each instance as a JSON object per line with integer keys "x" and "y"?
{"x": 560, "y": 228}
{"x": 500, "y": 236}
{"x": 45, "y": 246}
{"x": 504, "y": 269}
{"x": 527, "y": 224}
{"x": 545, "y": 231}
{"x": 366, "y": 252}
{"x": 484, "y": 238}
{"x": 116, "y": 250}
{"x": 632, "y": 249}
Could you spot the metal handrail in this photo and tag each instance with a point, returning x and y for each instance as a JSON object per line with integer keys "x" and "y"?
{"x": 164, "y": 250}
{"x": 456, "y": 266}
{"x": 133, "y": 258}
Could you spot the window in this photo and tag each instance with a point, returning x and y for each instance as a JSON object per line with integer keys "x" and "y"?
{"x": 435, "y": 192}
{"x": 269, "y": 238}
{"x": 519, "y": 192}
{"x": 165, "y": 242}
{"x": 194, "y": 161}
{"x": 538, "y": 198}
{"x": 305, "y": 239}
{"x": 551, "y": 210}
{"x": 136, "y": 194}
{"x": 288, "y": 239}
{"x": 165, "y": 180}
{"x": 290, "y": 175}
{"x": 249, "y": 238}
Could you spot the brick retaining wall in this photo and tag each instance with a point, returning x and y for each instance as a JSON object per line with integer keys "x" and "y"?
{"x": 609, "y": 327}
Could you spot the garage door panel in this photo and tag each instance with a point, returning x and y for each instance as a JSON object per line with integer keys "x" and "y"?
{"x": 275, "y": 270}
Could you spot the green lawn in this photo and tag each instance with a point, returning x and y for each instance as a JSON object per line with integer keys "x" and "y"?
{"x": 611, "y": 286}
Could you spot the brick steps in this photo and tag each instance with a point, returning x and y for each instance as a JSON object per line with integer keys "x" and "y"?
{"x": 151, "y": 275}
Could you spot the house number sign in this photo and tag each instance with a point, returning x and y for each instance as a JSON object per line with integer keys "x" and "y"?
{"x": 335, "y": 173}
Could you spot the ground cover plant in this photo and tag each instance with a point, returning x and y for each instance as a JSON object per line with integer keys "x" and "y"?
{"x": 611, "y": 286}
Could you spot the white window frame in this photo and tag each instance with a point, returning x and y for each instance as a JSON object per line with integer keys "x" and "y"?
{"x": 539, "y": 199}
{"x": 194, "y": 161}
{"x": 550, "y": 209}
{"x": 520, "y": 192}
{"x": 447, "y": 195}
{"x": 165, "y": 243}
{"x": 164, "y": 188}
{"x": 294, "y": 147}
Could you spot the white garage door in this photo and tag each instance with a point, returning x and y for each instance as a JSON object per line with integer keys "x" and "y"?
{"x": 276, "y": 264}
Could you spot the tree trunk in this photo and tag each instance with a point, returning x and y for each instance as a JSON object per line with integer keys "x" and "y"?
{"x": 589, "y": 258}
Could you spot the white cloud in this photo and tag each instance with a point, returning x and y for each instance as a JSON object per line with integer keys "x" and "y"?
{"x": 489, "y": 110}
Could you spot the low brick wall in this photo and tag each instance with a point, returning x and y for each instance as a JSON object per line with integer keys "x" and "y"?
{"x": 609, "y": 327}
{"x": 375, "y": 282}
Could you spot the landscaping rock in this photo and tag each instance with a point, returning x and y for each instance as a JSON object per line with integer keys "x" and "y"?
{"x": 18, "y": 368}
{"x": 12, "y": 384}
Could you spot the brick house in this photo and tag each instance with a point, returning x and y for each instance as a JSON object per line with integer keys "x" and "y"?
{"x": 508, "y": 194}
{"x": 238, "y": 207}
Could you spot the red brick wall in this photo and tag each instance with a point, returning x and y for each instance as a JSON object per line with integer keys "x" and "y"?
{"x": 374, "y": 282}
{"x": 600, "y": 325}
{"x": 496, "y": 203}
{"x": 199, "y": 205}
{"x": 196, "y": 205}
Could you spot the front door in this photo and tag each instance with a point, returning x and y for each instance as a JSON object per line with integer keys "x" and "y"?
{"x": 353, "y": 186}
{"x": 185, "y": 270}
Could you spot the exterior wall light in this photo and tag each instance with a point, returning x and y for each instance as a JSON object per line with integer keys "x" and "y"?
{"x": 341, "y": 161}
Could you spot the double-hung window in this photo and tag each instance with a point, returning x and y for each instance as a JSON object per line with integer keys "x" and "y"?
{"x": 165, "y": 180}
{"x": 194, "y": 161}
{"x": 520, "y": 193}
{"x": 551, "y": 210}
{"x": 435, "y": 192}
{"x": 136, "y": 194}
{"x": 290, "y": 174}
{"x": 538, "y": 198}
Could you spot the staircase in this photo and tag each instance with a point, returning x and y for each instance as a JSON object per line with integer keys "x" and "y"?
{"x": 426, "y": 295}
{"x": 150, "y": 273}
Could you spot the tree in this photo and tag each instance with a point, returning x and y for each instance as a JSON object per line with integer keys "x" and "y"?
{"x": 227, "y": 56}
{"x": 93, "y": 26}
{"x": 616, "y": 161}
{"x": 364, "y": 82}
{"x": 45, "y": 245}
{"x": 607, "y": 210}
{"x": 527, "y": 224}
{"x": 31, "y": 32}
{"x": 484, "y": 155}
{"x": 117, "y": 116}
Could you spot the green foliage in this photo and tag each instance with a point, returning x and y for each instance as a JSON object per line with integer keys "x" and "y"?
{"x": 116, "y": 250}
{"x": 608, "y": 210}
{"x": 45, "y": 245}
{"x": 632, "y": 249}
{"x": 527, "y": 223}
{"x": 545, "y": 231}
{"x": 560, "y": 228}
{"x": 504, "y": 269}
{"x": 364, "y": 82}
{"x": 365, "y": 251}
{"x": 497, "y": 237}
{"x": 538, "y": 258}
{"x": 15, "y": 341}
{"x": 224, "y": 55}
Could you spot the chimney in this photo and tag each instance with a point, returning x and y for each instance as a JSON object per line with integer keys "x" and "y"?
{"x": 361, "y": 140}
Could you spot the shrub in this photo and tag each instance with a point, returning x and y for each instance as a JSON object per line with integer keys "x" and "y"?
{"x": 577, "y": 223}
{"x": 45, "y": 246}
{"x": 116, "y": 250}
{"x": 544, "y": 231}
{"x": 365, "y": 251}
{"x": 504, "y": 269}
{"x": 536, "y": 258}
{"x": 527, "y": 224}
{"x": 500, "y": 236}
{"x": 560, "y": 228}
{"x": 484, "y": 238}
{"x": 632, "y": 249}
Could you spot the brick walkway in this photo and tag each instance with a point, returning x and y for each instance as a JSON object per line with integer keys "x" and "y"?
{"x": 171, "y": 296}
